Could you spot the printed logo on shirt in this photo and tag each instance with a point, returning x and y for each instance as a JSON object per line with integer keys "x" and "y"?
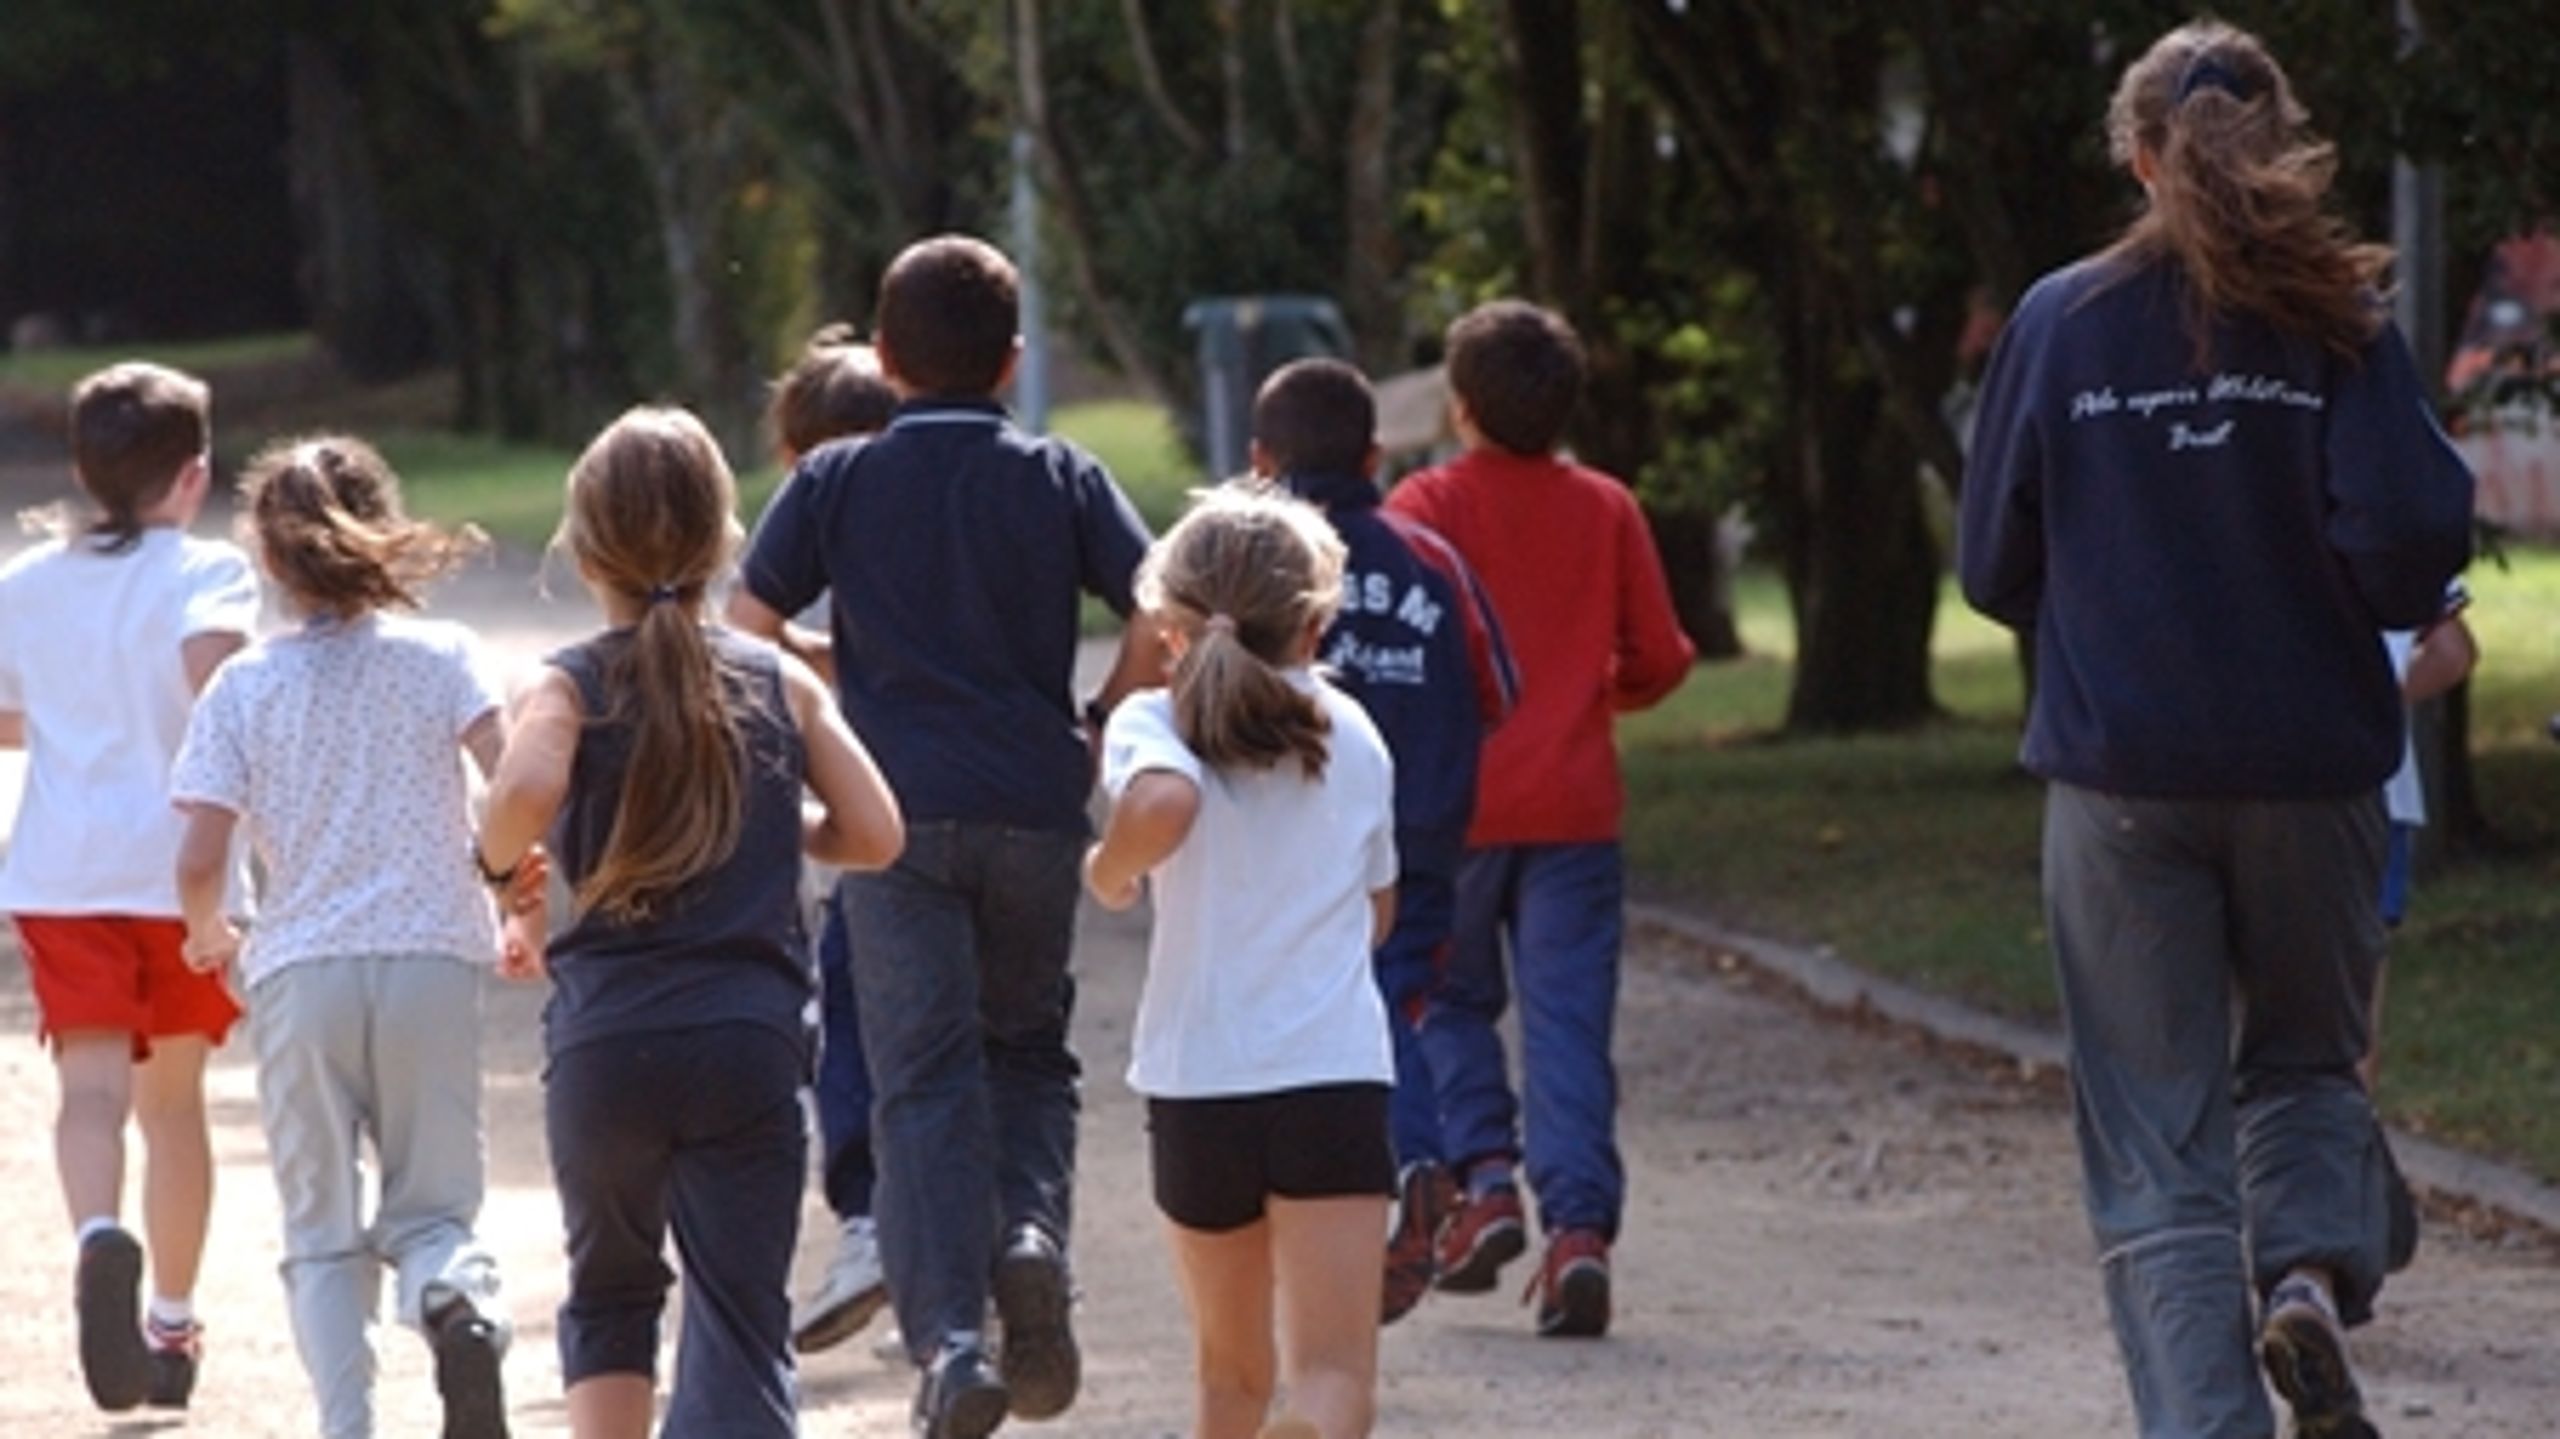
{"x": 1375, "y": 594}
{"x": 2103, "y": 403}
{"x": 1376, "y": 664}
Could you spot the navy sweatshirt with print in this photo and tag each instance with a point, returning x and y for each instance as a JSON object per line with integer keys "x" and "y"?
{"x": 1417, "y": 644}
{"x": 2204, "y": 554}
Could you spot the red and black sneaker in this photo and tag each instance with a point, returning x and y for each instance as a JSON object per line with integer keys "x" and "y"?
{"x": 1425, "y": 1198}
{"x": 1487, "y": 1232}
{"x": 1572, "y": 1286}
{"x": 176, "y": 1350}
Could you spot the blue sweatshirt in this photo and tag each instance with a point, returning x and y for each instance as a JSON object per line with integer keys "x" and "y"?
{"x": 1417, "y": 644}
{"x": 2204, "y": 557}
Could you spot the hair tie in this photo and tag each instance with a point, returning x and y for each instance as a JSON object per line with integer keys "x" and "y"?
{"x": 662, "y": 594}
{"x": 1219, "y": 624}
{"x": 2206, "y": 72}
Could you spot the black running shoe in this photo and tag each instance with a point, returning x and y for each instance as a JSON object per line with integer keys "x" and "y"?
{"x": 2305, "y": 1355}
{"x": 107, "y": 1293}
{"x": 468, "y": 1350}
{"x": 1037, "y": 1350}
{"x": 961, "y": 1397}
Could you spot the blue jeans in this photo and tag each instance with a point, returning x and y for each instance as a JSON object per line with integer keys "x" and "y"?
{"x": 2217, "y": 960}
{"x": 1559, "y": 910}
{"x": 960, "y": 972}
{"x": 844, "y": 1079}
{"x": 1409, "y": 966}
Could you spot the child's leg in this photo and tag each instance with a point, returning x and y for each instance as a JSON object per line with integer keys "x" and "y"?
{"x": 427, "y": 1105}
{"x": 740, "y": 1167}
{"x": 309, "y": 1030}
{"x": 177, "y": 1164}
{"x": 96, "y": 1071}
{"x": 1409, "y": 967}
{"x": 1478, "y": 1113}
{"x": 1323, "y": 1252}
{"x": 1226, "y": 1278}
{"x": 609, "y": 1111}
{"x": 1571, "y": 924}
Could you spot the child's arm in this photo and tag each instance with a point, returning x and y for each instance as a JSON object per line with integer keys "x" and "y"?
{"x": 2442, "y": 656}
{"x": 1654, "y": 654}
{"x": 1153, "y": 817}
{"x": 204, "y": 652}
{"x": 859, "y": 826}
{"x": 13, "y": 729}
{"x": 1382, "y": 915}
{"x": 204, "y": 863}
{"x": 526, "y": 788}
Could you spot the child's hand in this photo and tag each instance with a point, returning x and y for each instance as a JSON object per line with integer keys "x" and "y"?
{"x": 525, "y": 917}
{"x": 1111, "y": 897}
{"x": 211, "y": 945}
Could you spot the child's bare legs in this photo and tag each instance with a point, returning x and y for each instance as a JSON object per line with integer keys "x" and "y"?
{"x": 177, "y": 1160}
{"x": 1226, "y": 1282}
{"x": 1317, "y": 1258}
{"x": 1325, "y": 1252}
{"x": 612, "y": 1406}
{"x": 97, "y": 1075}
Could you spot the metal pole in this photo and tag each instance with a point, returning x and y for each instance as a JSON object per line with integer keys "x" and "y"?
{"x": 1031, "y": 378}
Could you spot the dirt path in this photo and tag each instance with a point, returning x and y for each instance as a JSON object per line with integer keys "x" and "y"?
{"x": 1833, "y": 1232}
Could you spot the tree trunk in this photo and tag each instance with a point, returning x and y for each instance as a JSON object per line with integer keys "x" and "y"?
{"x": 350, "y": 274}
{"x": 1867, "y": 586}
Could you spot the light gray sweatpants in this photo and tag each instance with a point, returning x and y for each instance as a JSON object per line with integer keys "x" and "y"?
{"x": 2217, "y": 960}
{"x": 383, "y": 1049}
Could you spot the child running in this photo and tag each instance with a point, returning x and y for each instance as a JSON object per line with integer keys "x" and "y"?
{"x": 339, "y": 742}
{"x": 1260, "y": 799}
{"x": 835, "y": 391}
{"x": 106, "y": 635}
{"x": 666, "y": 758}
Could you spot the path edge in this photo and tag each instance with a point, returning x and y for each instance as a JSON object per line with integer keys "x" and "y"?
{"x": 1832, "y": 983}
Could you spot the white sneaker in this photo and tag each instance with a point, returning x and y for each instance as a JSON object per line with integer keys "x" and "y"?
{"x": 853, "y": 1291}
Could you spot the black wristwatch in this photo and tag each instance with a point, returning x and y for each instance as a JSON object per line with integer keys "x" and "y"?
{"x": 1096, "y": 713}
{"x": 494, "y": 878}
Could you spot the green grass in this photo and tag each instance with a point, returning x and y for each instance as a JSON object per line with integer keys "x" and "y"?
{"x": 60, "y": 369}
{"x": 1915, "y": 855}
{"x": 513, "y": 490}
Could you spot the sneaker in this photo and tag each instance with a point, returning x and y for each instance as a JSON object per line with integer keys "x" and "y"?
{"x": 1038, "y": 1350}
{"x": 2305, "y": 1355}
{"x": 176, "y": 1350}
{"x": 106, "y": 1292}
{"x": 961, "y": 1397}
{"x": 468, "y": 1350}
{"x": 1572, "y": 1286}
{"x": 854, "y": 1290}
{"x": 1424, "y": 1198}
{"x": 1486, "y": 1233}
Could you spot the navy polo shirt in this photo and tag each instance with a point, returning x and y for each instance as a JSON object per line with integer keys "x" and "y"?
{"x": 956, "y": 547}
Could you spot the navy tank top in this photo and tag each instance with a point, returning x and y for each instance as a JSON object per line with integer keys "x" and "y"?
{"x": 728, "y": 945}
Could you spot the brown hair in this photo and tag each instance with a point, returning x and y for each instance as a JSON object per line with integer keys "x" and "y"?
{"x": 2240, "y": 191}
{"x": 652, "y": 517}
{"x": 833, "y": 390}
{"x": 1519, "y": 368}
{"x": 1244, "y": 573}
{"x": 325, "y": 510}
{"x": 950, "y": 311}
{"x": 134, "y": 426}
{"x": 1317, "y": 416}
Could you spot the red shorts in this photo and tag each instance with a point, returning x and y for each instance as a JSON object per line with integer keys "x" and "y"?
{"x": 122, "y": 973}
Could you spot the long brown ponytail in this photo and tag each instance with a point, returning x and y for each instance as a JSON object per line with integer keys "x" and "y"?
{"x": 325, "y": 510}
{"x": 2239, "y": 197}
{"x": 652, "y": 517}
{"x": 1244, "y": 575}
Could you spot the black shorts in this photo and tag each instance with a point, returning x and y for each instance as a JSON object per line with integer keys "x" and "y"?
{"x": 1216, "y": 1160}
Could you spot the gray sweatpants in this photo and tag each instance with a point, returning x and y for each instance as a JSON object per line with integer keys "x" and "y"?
{"x": 385, "y": 1049}
{"x": 2217, "y": 961}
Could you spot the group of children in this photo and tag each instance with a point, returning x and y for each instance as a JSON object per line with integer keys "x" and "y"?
{"x": 1358, "y": 757}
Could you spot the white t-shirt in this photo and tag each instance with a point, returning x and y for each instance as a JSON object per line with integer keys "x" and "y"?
{"x": 1258, "y": 970}
{"x": 339, "y": 744}
{"x": 2403, "y": 796}
{"x": 90, "y": 653}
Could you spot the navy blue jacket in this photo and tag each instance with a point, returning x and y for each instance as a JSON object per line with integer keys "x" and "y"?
{"x": 955, "y": 547}
{"x": 2205, "y": 558}
{"x": 1417, "y": 644}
